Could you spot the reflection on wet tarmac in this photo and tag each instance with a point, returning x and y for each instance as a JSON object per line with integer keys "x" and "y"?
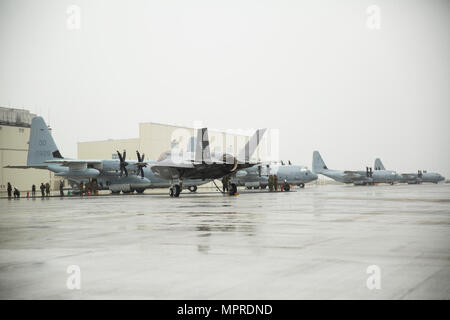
{"x": 312, "y": 243}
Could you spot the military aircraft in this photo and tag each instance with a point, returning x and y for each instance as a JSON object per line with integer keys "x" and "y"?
{"x": 258, "y": 176}
{"x": 368, "y": 177}
{"x": 204, "y": 166}
{"x": 114, "y": 174}
{"x": 413, "y": 178}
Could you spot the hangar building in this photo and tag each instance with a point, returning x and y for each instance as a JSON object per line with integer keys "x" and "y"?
{"x": 14, "y": 135}
{"x": 156, "y": 138}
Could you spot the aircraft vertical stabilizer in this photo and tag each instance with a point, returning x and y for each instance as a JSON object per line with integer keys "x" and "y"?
{"x": 318, "y": 165}
{"x": 41, "y": 146}
{"x": 202, "y": 153}
{"x": 378, "y": 165}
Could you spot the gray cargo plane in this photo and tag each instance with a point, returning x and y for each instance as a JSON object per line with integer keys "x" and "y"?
{"x": 258, "y": 176}
{"x": 413, "y": 178}
{"x": 204, "y": 166}
{"x": 368, "y": 177}
{"x": 115, "y": 174}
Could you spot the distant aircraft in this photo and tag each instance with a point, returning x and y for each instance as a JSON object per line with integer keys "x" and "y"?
{"x": 114, "y": 174}
{"x": 368, "y": 177}
{"x": 413, "y": 178}
{"x": 204, "y": 166}
{"x": 258, "y": 176}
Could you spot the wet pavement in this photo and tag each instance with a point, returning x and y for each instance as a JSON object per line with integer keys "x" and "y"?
{"x": 312, "y": 243}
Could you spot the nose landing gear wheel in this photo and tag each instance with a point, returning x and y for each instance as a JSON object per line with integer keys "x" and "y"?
{"x": 192, "y": 188}
{"x": 302, "y": 185}
{"x": 177, "y": 191}
{"x": 286, "y": 187}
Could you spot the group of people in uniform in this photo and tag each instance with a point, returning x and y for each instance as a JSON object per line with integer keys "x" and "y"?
{"x": 89, "y": 188}
{"x": 10, "y": 191}
{"x": 272, "y": 182}
{"x": 45, "y": 190}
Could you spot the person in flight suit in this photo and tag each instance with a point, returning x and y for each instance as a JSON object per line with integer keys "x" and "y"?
{"x": 42, "y": 187}
{"x": 33, "y": 190}
{"x": 47, "y": 189}
{"x": 61, "y": 188}
{"x": 9, "y": 190}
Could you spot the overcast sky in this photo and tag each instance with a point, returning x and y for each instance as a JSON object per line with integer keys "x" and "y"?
{"x": 316, "y": 70}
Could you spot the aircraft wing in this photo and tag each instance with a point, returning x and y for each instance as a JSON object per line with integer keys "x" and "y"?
{"x": 17, "y": 167}
{"x": 355, "y": 174}
{"x": 69, "y": 163}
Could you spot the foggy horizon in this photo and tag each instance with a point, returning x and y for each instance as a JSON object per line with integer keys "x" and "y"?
{"x": 315, "y": 71}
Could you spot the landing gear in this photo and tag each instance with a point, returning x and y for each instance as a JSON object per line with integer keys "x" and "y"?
{"x": 140, "y": 190}
{"x": 286, "y": 187}
{"x": 175, "y": 191}
{"x": 192, "y": 188}
{"x": 301, "y": 185}
{"x": 115, "y": 192}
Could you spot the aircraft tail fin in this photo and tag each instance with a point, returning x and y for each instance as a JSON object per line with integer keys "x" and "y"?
{"x": 41, "y": 146}
{"x": 378, "y": 165}
{"x": 202, "y": 153}
{"x": 250, "y": 147}
{"x": 318, "y": 165}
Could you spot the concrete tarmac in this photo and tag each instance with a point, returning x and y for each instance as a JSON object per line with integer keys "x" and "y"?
{"x": 313, "y": 243}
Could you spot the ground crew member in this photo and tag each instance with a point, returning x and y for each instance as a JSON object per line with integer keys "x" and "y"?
{"x": 270, "y": 182}
{"x": 33, "y": 190}
{"x": 95, "y": 186}
{"x": 225, "y": 181}
{"x": 81, "y": 188}
{"x": 42, "y": 187}
{"x": 47, "y": 189}
{"x": 61, "y": 188}
{"x": 275, "y": 182}
{"x": 16, "y": 193}
{"x": 9, "y": 190}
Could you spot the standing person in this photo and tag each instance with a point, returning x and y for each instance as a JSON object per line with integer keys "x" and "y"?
{"x": 275, "y": 182}
{"x": 33, "y": 190}
{"x": 47, "y": 189}
{"x": 42, "y": 187}
{"x": 225, "y": 181}
{"x": 81, "y": 188}
{"x": 9, "y": 190}
{"x": 270, "y": 182}
{"x": 61, "y": 188}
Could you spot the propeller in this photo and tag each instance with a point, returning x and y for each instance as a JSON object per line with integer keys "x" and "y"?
{"x": 371, "y": 172}
{"x": 289, "y": 161}
{"x": 282, "y": 163}
{"x": 367, "y": 172}
{"x": 419, "y": 174}
{"x": 259, "y": 171}
{"x": 123, "y": 163}
{"x": 140, "y": 164}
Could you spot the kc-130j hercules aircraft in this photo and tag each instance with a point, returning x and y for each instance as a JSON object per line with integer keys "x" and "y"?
{"x": 115, "y": 174}
{"x": 413, "y": 178}
{"x": 368, "y": 177}
{"x": 258, "y": 176}
{"x": 204, "y": 166}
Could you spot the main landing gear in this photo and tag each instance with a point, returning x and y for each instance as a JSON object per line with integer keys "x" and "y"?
{"x": 192, "y": 188}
